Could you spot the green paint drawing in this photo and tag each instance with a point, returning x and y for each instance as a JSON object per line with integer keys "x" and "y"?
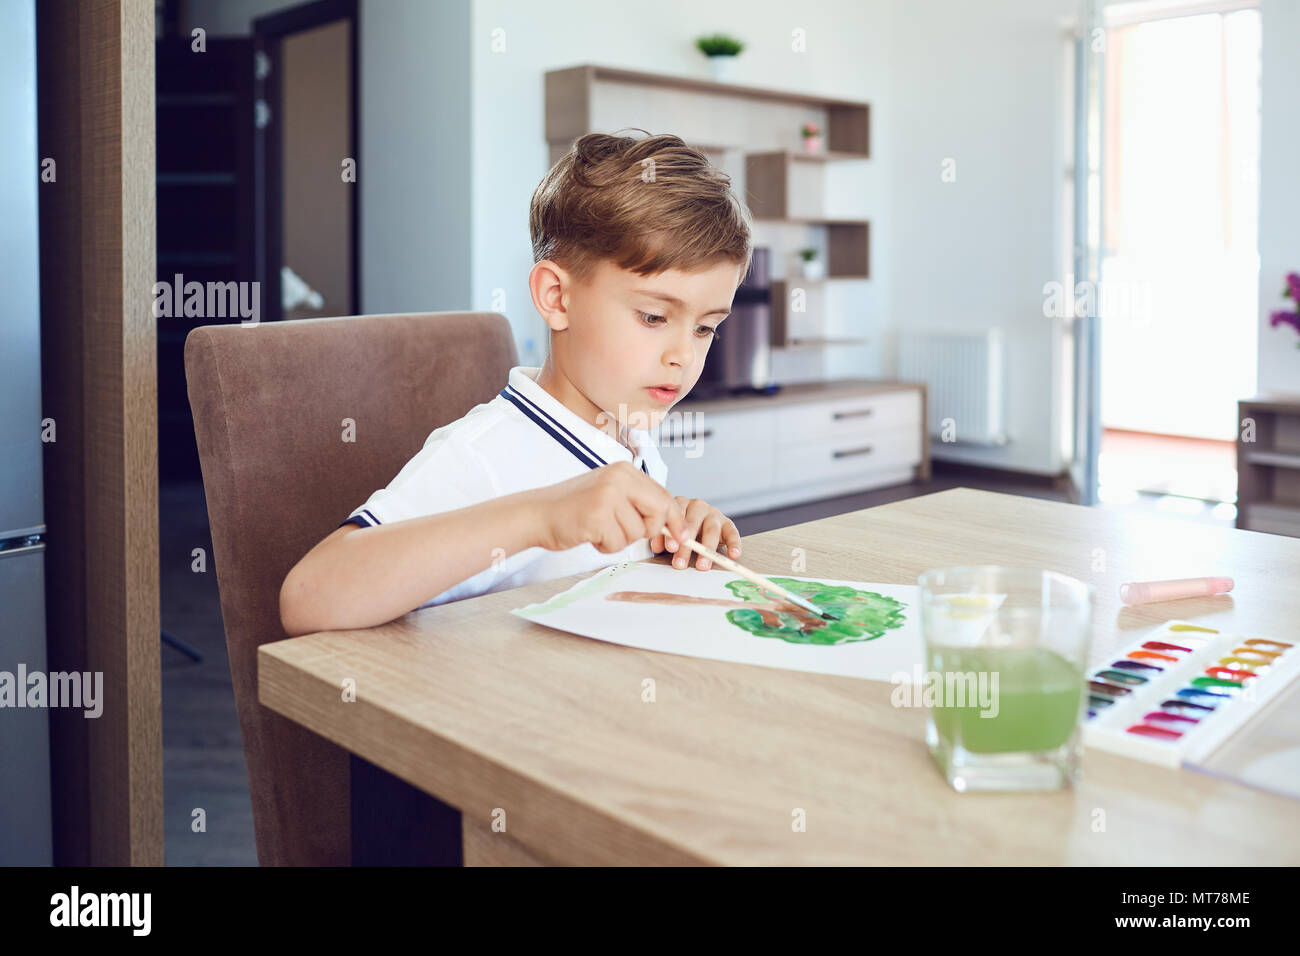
{"x": 863, "y": 615}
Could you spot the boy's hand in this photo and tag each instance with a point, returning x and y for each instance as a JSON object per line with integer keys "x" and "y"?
{"x": 609, "y": 507}
{"x": 705, "y": 524}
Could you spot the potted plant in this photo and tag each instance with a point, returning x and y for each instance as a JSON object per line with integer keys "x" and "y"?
{"x": 722, "y": 51}
{"x": 1292, "y": 292}
{"x": 813, "y": 267}
{"x": 812, "y": 137}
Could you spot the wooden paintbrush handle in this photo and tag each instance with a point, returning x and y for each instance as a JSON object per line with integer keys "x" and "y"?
{"x": 751, "y": 576}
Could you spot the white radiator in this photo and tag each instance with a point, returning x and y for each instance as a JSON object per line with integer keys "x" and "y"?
{"x": 962, "y": 372}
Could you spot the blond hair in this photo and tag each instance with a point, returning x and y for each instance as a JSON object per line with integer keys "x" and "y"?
{"x": 645, "y": 205}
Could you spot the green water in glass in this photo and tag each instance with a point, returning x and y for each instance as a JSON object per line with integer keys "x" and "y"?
{"x": 1038, "y": 699}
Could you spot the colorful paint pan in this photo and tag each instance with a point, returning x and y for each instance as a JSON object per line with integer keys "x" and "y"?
{"x": 1153, "y": 656}
{"x": 1120, "y": 677}
{"x": 1256, "y": 652}
{"x": 1258, "y": 642}
{"x": 1215, "y": 682}
{"x": 1244, "y": 663}
{"x": 1185, "y": 707}
{"x": 1162, "y": 646}
{"x": 1230, "y": 673}
{"x": 1147, "y": 730}
{"x": 1176, "y": 694}
{"x": 1200, "y": 693}
{"x": 1137, "y": 666}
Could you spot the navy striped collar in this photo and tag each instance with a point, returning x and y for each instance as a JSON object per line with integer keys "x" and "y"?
{"x": 582, "y": 439}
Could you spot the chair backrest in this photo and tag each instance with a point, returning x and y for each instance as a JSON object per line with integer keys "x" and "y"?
{"x": 272, "y": 406}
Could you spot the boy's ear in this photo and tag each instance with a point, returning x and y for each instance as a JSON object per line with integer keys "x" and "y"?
{"x": 549, "y": 285}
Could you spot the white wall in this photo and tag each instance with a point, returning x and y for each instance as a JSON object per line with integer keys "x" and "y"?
{"x": 1279, "y": 189}
{"x": 416, "y": 129}
{"x": 983, "y": 84}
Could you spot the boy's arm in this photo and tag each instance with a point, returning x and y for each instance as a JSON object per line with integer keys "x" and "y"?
{"x": 359, "y": 577}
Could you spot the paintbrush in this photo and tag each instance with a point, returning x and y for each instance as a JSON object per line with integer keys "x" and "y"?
{"x": 753, "y": 576}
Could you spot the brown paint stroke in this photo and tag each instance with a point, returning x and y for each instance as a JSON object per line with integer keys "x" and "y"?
{"x": 768, "y": 611}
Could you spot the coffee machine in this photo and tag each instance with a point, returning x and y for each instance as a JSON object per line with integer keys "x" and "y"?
{"x": 740, "y": 360}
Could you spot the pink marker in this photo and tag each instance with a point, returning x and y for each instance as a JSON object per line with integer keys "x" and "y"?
{"x": 1145, "y": 592}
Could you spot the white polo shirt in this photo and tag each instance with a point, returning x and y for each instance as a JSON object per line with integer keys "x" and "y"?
{"x": 524, "y": 438}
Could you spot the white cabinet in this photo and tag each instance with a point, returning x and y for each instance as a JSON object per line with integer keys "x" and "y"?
{"x": 846, "y": 457}
{"x": 721, "y": 455}
{"x": 768, "y": 452}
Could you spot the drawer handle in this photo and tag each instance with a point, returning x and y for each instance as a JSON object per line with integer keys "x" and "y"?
{"x": 707, "y": 433}
{"x": 866, "y": 450}
{"x": 860, "y": 413}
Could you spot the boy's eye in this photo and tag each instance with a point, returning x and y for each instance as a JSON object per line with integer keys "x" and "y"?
{"x": 702, "y": 331}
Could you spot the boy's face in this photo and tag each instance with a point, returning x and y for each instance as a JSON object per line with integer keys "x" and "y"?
{"x": 618, "y": 335}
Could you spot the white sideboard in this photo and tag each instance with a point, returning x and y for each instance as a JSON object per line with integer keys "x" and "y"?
{"x": 753, "y": 453}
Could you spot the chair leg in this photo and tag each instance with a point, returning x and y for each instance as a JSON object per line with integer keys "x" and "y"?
{"x": 396, "y": 824}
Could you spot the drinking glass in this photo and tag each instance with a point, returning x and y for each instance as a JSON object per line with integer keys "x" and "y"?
{"x": 1006, "y": 657}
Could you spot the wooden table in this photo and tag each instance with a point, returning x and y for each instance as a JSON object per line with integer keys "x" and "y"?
{"x": 509, "y": 720}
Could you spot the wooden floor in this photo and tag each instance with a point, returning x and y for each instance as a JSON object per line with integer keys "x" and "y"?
{"x": 203, "y": 755}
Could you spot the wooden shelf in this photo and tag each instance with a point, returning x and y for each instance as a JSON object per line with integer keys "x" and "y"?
{"x": 1282, "y": 459}
{"x": 1273, "y": 517}
{"x": 569, "y": 102}
{"x": 781, "y": 321}
{"x": 829, "y": 156}
{"x": 730, "y": 118}
{"x": 821, "y": 343}
{"x": 812, "y": 220}
{"x": 1268, "y": 464}
{"x": 771, "y": 188}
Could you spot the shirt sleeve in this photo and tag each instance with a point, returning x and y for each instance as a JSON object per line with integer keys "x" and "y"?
{"x": 444, "y": 475}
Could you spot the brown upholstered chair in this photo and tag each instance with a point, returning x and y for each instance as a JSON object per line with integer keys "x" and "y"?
{"x": 269, "y": 403}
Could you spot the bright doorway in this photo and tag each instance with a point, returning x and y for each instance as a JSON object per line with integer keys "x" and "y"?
{"x": 1180, "y": 263}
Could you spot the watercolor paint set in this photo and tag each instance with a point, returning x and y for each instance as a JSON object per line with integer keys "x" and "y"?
{"x": 1182, "y": 690}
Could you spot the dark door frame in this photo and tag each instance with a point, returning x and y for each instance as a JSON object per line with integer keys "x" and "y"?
{"x": 268, "y": 34}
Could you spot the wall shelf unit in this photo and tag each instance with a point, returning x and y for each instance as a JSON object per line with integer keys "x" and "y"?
{"x": 753, "y": 133}
{"x": 1268, "y": 466}
{"x": 579, "y": 98}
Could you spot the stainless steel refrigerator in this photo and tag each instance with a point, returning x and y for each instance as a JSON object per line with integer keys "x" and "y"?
{"x": 25, "y": 837}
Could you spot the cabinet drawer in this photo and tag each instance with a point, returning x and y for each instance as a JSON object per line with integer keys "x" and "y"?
{"x": 846, "y": 417}
{"x": 733, "y": 455}
{"x": 814, "y": 461}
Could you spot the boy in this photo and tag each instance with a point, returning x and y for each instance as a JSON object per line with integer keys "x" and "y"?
{"x": 638, "y": 248}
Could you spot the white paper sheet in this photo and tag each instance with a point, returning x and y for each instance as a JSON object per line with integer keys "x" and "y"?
{"x": 657, "y": 607}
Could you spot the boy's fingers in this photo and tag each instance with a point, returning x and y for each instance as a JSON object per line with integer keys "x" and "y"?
{"x": 731, "y": 535}
{"x": 710, "y": 532}
{"x": 630, "y": 523}
{"x": 683, "y": 553}
{"x": 678, "y": 524}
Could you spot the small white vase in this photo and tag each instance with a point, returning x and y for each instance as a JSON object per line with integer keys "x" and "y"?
{"x": 722, "y": 68}
{"x": 812, "y": 144}
{"x": 816, "y": 269}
